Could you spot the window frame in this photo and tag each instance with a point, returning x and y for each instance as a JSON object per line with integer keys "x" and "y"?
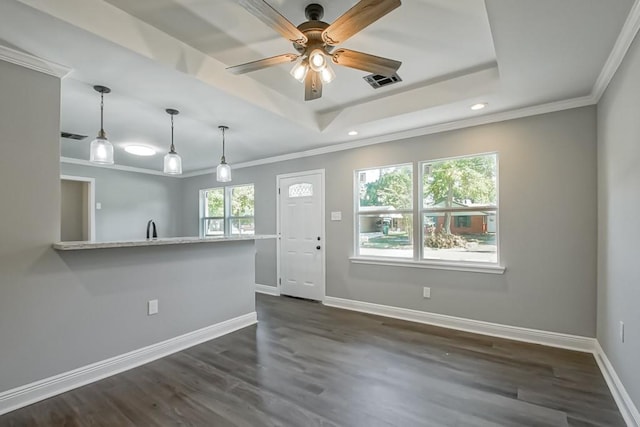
{"x": 227, "y": 219}
{"x": 419, "y": 211}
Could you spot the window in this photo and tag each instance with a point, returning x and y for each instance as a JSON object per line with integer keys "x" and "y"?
{"x": 462, "y": 194}
{"x": 455, "y": 220}
{"x": 385, "y": 211}
{"x": 227, "y": 210}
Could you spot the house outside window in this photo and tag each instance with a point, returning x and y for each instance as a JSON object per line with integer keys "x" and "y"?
{"x": 227, "y": 211}
{"x": 455, "y": 220}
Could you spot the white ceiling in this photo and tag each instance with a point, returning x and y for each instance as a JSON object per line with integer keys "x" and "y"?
{"x": 157, "y": 54}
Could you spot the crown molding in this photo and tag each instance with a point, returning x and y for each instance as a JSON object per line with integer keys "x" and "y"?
{"x": 33, "y": 62}
{"x": 619, "y": 51}
{"x": 411, "y": 133}
{"x": 82, "y": 162}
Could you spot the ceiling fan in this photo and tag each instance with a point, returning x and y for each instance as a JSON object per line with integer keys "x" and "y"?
{"x": 315, "y": 41}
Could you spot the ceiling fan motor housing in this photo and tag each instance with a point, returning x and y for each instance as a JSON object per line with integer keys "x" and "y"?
{"x": 314, "y": 12}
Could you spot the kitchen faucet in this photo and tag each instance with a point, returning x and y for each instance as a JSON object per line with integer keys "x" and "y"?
{"x": 155, "y": 231}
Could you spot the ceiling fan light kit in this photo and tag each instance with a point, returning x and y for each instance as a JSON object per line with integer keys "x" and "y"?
{"x": 315, "y": 39}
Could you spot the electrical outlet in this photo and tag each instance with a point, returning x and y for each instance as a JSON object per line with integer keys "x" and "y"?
{"x": 426, "y": 292}
{"x": 621, "y": 331}
{"x": 152, "y": 307}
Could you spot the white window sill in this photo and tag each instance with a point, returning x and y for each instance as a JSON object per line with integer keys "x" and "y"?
{"x": 436, "y": 265}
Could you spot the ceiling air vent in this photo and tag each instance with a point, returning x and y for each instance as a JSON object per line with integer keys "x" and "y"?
{"x": 72, "y": 136}
{"x": 377, "y": 81}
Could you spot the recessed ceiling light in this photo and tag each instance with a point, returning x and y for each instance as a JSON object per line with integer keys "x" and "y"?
{"x": 479, "y": 106}
{"x": 353, "y": 133}
{"x": 139, "y": 150}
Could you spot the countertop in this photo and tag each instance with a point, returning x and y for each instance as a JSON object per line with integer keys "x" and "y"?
{"x": 75, "y": 246}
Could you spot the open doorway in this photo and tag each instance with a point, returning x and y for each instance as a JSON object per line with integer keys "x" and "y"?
{"x": 77, "y": 209}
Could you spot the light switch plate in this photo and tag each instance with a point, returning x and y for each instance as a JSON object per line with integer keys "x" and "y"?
{"x": 336, "y": 216}
{"x": 152, "y": 307}
{"x": 98, "y": 206}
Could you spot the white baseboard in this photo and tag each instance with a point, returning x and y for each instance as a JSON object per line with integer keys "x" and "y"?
{"x": 25, "y": 395}
{"x": 627, "y": 408}
{"x": 551, "y": 339}
{"x": 269, "y": 290}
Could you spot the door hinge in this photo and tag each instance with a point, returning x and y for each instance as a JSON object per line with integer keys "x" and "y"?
{"x": 279, "y": 281}
{"x": 278, "y": 191}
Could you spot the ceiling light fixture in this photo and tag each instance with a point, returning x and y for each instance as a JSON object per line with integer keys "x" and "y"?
{"x": 140, "y": 150}
{"x": 172, "y": 160}
{"x": 223, "y": 171}
{"x": 479, "y": 106}
{"x": 101, "y": 150}
{"x": 353, "y": 133}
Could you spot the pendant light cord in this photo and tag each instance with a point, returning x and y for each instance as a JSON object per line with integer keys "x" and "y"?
{"x": 102, "y": 134}
{"x": 173, "y": 149}
{"x": 223, "y": 159}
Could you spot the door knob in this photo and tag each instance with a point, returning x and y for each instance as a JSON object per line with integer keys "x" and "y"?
{"x": 318, "y": 247}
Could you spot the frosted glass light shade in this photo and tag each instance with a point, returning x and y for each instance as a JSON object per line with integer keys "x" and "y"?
{"x": 299, "y": 71}
{"x": 173, "y": 164}
{"x": 223, "y": 173}
{"x": 317, "y": 61}
{"x": 101, "y": 151}
{"x": 327, "y": 75}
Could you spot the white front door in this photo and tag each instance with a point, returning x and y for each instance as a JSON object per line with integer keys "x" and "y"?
{"x": 301, "y": 230}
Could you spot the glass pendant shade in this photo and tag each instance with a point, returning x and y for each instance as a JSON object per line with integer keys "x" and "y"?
{"x": 172, "y": 160}
{"x": 101, "y": 151}
{"x": 223, "y": 172}
{"x": 172, "y": 164}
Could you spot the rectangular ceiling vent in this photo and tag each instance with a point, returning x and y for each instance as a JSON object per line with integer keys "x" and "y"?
{"x": 75, "y": 136}
{"x": 377, "y": 81}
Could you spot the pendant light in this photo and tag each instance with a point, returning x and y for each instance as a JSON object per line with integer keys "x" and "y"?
{"x": 172, "y": 161}
{"x": 223, "y": 172}
{"x": 101, "y": 150}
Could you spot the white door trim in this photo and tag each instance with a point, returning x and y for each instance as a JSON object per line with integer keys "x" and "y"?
{"x": 91, "y": 208}
{"x": 322, "y": 227}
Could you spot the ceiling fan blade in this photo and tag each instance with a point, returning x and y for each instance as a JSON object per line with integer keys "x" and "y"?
{"x": 267, "y": 14}
{"x": 312, "y": 86}
{"x": 365, "y": 62}
{"x": 262, "y": 63}
{"x": 364, "y": 13}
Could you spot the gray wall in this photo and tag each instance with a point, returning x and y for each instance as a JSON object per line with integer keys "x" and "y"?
{"x": 619, "y": 226}
{"x": 73, "y": 221}
{"x": 131, "y": 199}
{"x": 547, "y": 224}
{"x": 59, "y": 311}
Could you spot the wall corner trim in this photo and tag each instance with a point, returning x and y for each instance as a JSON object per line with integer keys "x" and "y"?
{"x": 626, "y": 406}
{"x": 267, "y": 290}
{"x": 34, "y": 392}
{"x": 33, "y": 62}
{"x": 534, "y": 336}
{"x": 619, "y": 51}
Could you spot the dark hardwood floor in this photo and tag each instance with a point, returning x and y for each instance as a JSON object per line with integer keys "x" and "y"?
{"x": 309, "y": 365}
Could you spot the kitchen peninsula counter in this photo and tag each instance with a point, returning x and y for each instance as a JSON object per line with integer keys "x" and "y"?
{"x": 83, "y": 245}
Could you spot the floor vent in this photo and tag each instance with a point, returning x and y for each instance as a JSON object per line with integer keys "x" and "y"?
{"x": 72, "y": 136}
{"x": 377, "y": 81}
